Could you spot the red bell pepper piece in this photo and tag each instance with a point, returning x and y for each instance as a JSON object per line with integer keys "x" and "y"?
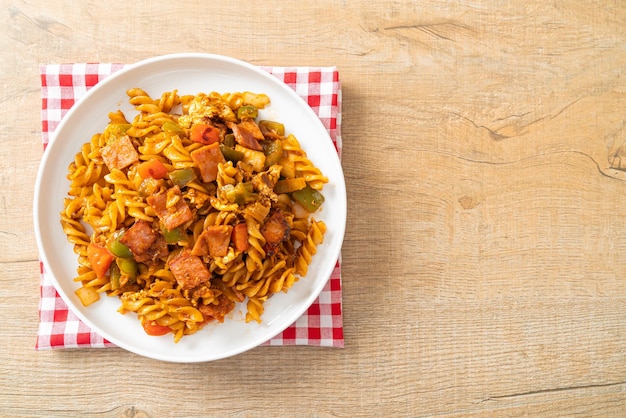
{"x": 154, "y": 329}
{"x": 152, "y": 168}
{"x": 204, "y": 133}
{"x": 100, "y": 259}
{"x": 240, "y": 237}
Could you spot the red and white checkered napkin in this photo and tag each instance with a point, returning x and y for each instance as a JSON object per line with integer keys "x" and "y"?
{"x": 62, "y": 85}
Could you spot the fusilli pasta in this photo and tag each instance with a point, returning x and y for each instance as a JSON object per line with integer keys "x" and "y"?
{"x": 192, "y": 206}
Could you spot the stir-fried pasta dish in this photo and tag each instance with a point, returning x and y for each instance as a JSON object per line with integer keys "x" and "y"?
{"x": 192, "y": 206}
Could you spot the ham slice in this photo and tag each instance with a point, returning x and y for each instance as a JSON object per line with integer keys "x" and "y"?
{"x": 213, "y": 241}
{"x": 189, "y": 270}
{"x": 217, "y": 312}
{"x": 247, "y": 134}
{"x": 206, "y": 159}
{"x": 119, "y": 154}
{"x": 146, "y": 244}
{"x": 171, "y": 208}
{"x": 275, "y": 230}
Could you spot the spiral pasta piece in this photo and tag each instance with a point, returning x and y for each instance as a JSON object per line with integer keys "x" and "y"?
{"x": 307, "y": 250}
{"x": 302, "y": 165}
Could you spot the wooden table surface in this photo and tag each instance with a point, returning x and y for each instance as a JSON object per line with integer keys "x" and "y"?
{"x": 485, "y": 252}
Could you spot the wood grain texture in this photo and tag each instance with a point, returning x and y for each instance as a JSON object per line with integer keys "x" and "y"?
{"x": 483, "y": 263}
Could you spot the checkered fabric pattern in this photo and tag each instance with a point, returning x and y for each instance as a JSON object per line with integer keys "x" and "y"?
{"x": 63, "y": 84}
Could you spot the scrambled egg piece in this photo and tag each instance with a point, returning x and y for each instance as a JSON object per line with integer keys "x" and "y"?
{"x": 204, "y": 107}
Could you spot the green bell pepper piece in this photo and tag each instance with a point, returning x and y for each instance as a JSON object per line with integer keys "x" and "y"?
{"x": 173, "y": 236}
{"x": 273, "y": 153}
{"x": 231, "y": 154}
{"x": 246, "y": 112}
{"x": 128, "y": 267}
{"x": 309, "y": 198}
{"x": 229, "y": 140}
{"x": 114, "y": 276}
{"x": 183, "y": 176}
{"x": 241, "y": 193}
{"x": 271, "y": 126}
{"x": 118, "y": 248}
{"x": 170, "y": 126}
